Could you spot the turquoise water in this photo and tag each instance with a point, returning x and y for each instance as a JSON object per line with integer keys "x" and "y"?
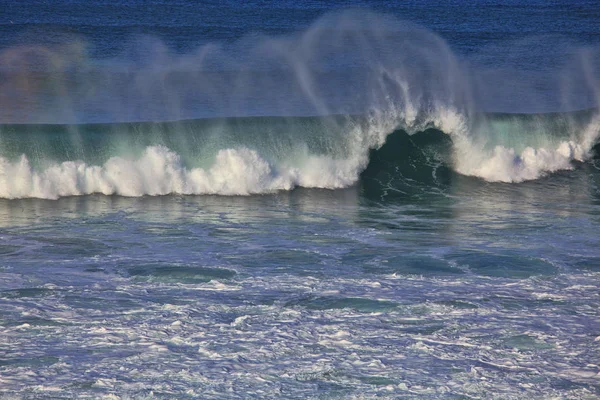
{"x": 277, "y": 202}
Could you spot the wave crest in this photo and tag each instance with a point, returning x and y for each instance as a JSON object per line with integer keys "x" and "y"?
{"x": 160, "y": 171}
{"x": 349, "y": 80}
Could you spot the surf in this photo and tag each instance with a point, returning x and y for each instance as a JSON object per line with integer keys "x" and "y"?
{"x": 265, "y": 114}
{"x": 243, "y": 156}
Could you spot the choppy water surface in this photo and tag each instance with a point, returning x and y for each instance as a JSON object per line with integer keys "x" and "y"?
{"x": 490, "y": 292}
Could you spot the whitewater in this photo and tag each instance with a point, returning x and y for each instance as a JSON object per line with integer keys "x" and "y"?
{"x": 242, "y": 171}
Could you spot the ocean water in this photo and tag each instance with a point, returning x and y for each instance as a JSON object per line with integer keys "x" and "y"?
{"x": 299, "y": 199}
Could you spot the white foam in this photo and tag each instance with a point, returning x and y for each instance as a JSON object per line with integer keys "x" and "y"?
{"x": 160, "y": 171}
{"x": 505, "y": 164}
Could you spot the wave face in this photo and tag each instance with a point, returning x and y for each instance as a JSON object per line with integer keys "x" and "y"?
{"x": 242, "y": 156}
{"x": 227, "y": 156}
{"x": 275, "y": 113}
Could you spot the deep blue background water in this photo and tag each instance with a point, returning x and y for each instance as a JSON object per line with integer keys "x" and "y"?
{"x": 467, "y": 25}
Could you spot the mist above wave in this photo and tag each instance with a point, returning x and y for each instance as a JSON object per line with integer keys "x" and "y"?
{"x": 375, "y": 73}
{"x": 345, "y": 62}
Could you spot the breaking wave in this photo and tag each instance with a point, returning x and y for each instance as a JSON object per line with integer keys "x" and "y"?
{"x": 211, "y": 157}
{"x": 272, "y": 113}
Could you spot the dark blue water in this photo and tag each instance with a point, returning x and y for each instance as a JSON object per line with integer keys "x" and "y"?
{"x": 299, "y": 200}
{"x": 468, "y": 26}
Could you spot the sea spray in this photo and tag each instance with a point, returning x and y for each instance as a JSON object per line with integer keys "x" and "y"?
{"x": 278, "y": 112}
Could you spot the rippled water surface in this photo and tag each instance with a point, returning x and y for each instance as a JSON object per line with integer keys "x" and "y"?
{"x": 310, "y": 293}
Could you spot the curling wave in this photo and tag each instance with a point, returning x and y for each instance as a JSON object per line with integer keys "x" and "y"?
{"x": 273, "y": 113}
{"x": 264, "y": 155}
